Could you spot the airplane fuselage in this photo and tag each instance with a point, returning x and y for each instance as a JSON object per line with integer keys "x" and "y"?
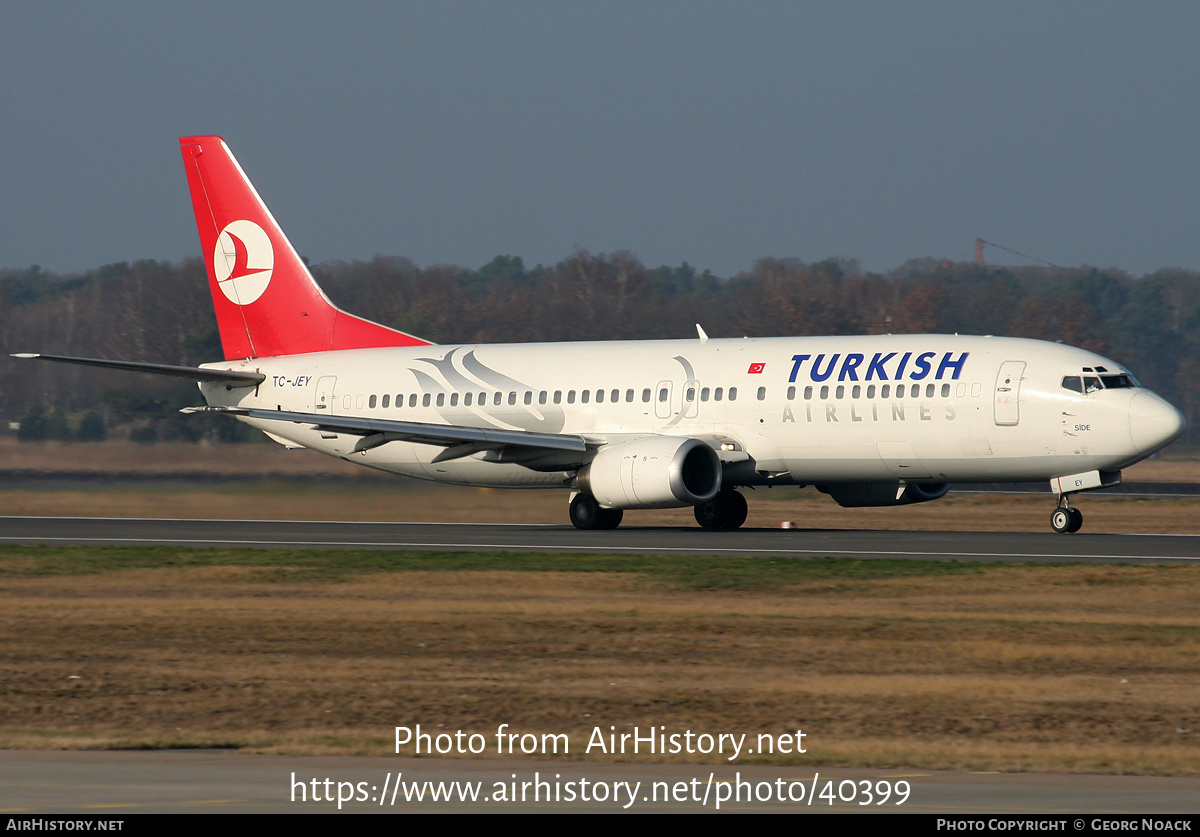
{"x": 801, "y": 410}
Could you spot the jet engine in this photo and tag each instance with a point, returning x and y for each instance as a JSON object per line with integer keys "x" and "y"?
{"x": 657, "y": 472}
{"x": 857, "y": 495}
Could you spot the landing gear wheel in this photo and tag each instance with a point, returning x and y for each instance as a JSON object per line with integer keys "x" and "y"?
{"x": 1061, "y": 520}
{"x": 586, "y": 513}
{"x": 1076, "y": 521}
{"x": 610, "y": 518}
{"x": 725, "y": 511}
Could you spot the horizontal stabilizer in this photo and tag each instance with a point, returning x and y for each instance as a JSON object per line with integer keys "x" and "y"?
{"x": 195, "y": 373}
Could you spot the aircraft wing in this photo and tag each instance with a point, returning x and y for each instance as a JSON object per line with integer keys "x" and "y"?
{"x": 459, "y": 440}
{"x": 195, "y": 373}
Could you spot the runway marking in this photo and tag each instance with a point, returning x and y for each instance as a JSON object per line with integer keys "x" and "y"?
{"x": 608, "y": 548}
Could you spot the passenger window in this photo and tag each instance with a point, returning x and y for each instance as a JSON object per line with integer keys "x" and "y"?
{"x": 614, "y": 396}
{"x": 467, "y": 399}
{"x": 412, "y": 400}
{"x": 585, "y": 396}
{"x": 839, "y": 392}
{"x": 646, "y": 395}
{"x": 528, "y": 396}
{"x": 571, "y": 397}
{"x": 662, "y": 395}
{"x": 542, "y": 397}
{"x": 371, "y": 402}
{"x": 346, "y": 403}
{"x": 599, "y": 396}
{"x": 929, "y": 390}
{"x": 690, "y": 395}
{"x": 629, "y": 396}
{"x": 387, "y": 399}
{"x": 856, "y": 392}
{"x": 808, "y": 393}
{"x": 512, "y": 398}
{"x": 791, "y": 395}
{"x": 885, "y": 391}
{"x": 454, "y": 399}
{"x": 441, "y": 399}
{"x": 825, "y": 393}
{"x": 717, "y": 393}
{"x": 704, "y": 393}
{"x": 425, "y": 399}
{"x": 762, "y": 393}
{"x": 733, "y": 393}
{"x": 945, "y": 390}
{"x": 558, "y": 396}
{"x": 916, "y": 391}
{"x": 870, "y": 390}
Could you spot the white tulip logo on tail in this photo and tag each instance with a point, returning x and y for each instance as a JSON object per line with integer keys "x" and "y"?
{"x": 243, "y": 261}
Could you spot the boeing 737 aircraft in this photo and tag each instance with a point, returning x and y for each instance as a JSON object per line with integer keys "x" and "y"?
{"x": 871, "y": 421}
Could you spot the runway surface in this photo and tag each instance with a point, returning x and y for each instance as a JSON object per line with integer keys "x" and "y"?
{"x": 132, "y": 782}
{"x": 962, "y": 546}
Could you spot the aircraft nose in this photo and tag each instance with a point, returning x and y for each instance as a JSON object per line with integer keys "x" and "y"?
{"x": 1153, "y": 422}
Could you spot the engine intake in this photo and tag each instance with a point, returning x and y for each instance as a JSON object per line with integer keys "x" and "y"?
{"x": 657, "y": 472}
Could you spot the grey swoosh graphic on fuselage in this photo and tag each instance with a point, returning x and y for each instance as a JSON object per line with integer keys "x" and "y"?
{"x": 518, "y": 415}
{"x": 689, "y": 375}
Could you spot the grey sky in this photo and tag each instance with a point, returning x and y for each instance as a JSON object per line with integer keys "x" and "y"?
{"x": 706, "y": 132}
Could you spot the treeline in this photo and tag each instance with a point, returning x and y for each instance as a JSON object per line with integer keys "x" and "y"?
{"x": 157, "y": 311}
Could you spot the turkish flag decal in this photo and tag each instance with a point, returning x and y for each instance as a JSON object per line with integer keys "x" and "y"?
{"x": 756, "y": 368}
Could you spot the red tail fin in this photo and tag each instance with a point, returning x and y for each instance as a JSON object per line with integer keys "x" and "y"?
{"x": 266, "y": 301}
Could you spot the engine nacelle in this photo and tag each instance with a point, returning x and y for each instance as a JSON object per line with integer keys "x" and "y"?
{"x": 860, "y": 494}
{"x": 658, "y": 472}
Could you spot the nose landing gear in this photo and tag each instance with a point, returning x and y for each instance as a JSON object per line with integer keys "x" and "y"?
{"x": 1064, "y": 519}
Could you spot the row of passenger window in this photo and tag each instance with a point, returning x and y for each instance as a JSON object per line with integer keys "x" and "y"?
{"x": 856, "y": 391}
{"x": 527, "y": 397}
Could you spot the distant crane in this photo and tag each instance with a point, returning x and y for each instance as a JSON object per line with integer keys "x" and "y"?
{"x": 979, "y": 242}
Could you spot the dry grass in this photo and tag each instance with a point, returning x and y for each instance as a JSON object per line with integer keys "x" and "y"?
{"x": 1002, "y": 668}
{"x": 375, "y": 496}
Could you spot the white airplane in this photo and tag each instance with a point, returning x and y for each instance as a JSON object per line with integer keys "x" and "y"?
{"x": 871, "y": 421}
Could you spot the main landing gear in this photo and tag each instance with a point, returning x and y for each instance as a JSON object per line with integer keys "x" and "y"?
{"x": 1064, "y": 519}
{"x": 586, "y": 513}
{"x": 725, "y": 511}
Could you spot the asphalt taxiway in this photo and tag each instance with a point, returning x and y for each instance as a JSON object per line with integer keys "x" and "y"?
{"x": 799, "y": 543}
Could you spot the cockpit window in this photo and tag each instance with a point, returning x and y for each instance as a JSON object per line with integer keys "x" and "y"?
{"x": 1072, "y": 383}
{"x": 1118, "y": 382}
{"x": 1091, "y": 383}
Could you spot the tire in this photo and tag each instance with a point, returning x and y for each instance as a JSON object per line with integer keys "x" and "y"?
{"x": 1076, "y": 521}
{"x": 586, "y": 512}
{"x": 725, "y": 511}
{"x": 610, "y": 518}
{"x": 736, "y": 511}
